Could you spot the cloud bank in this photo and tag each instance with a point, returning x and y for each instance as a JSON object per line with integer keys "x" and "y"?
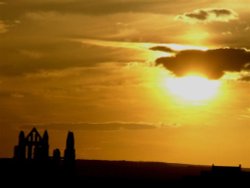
{"x": 208, "y": 15}
{"x": 211, "y": 63}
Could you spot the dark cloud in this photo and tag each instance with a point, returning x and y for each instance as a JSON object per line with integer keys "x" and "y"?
{"x": 245, "y": 78}
{"x": 212, "y": 63}
{"x": 162, "y": 49}
{"x": 79, "y": 6}
{"x": 57, "y": 55}
{"x": 208, "y": 15}
{"x": 221, "y": 12}
{"x": 199, "y": 15}
{"x": 106, "y": 126}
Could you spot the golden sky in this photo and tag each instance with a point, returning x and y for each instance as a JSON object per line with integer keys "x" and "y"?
{"x": 154, "y": 80}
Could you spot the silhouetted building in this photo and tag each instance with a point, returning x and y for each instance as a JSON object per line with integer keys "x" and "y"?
{"x": 36, "y": 147}
{"x": 33, "y": 146}
{"x": 226, "y": 170}
{"x": 69, "y": 153}
{"x": 223, "y": 174}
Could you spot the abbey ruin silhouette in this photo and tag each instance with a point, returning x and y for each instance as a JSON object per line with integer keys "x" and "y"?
{"x": 36, "y": 147}
{"x": 32, "y": 163}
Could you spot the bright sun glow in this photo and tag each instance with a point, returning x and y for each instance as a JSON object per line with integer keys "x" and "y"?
{"x": 193, "y": 88}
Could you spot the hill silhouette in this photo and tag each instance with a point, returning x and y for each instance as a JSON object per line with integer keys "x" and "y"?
{"x": 123, "y": 173}
{"x": 33, "y": 167}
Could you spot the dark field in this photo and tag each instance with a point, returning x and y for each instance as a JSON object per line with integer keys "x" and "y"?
{"x": 89, "y": 173}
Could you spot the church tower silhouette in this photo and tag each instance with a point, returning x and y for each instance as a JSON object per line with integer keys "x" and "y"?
{"x": 69, "y": 153}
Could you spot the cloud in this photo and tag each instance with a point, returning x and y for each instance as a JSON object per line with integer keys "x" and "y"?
{"x": 4, "y": 94}
{"x": 12, "y": 94}
{"x": 162, "y": 49}
{"x": 106, "y": 126}
{"x": 245, "y": 78}
{"x": 31, "y": 54}
{"x": 95, "y": 7}
{"x": 3, "y": 27}
{"x": 212, "y": 63}
{"x": 65, "y": 54}
{"x": 208, "y": 15}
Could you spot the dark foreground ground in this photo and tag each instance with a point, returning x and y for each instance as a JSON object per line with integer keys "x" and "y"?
{"x": 94, "y": 173}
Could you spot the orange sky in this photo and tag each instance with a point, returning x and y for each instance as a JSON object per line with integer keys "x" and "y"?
{"x": 99, "y": 68}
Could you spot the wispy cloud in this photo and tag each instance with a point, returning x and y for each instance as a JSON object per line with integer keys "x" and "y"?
{"x": 116, "y": 44}
{"x": 105, "y": 126}
{"x": 164, "y": 47}
{"x": 31, "y": 54}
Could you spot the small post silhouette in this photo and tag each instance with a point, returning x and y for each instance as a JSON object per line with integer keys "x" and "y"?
{"x": 56, "y": 155}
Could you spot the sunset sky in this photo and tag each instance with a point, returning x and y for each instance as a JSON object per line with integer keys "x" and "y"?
{"x": 147, "y": 80}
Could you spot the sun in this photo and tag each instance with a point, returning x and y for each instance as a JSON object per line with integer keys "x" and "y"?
{"x": 192, "y": 88}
